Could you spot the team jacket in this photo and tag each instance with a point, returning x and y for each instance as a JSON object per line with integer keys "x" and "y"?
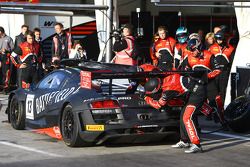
{"x": 173, "y": 86}
{"x": 26, "y": 53}
{"x": 18, "y": 40}
{"x": 161, "y": 45}
{"x": 223, "y": 56}
{"x": 206, "y": 61}
{"x": 61, "y": 45}
{"x": 179, "y": 53}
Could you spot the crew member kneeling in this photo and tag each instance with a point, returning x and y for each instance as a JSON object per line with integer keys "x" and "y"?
{"x": 175, "y": 86}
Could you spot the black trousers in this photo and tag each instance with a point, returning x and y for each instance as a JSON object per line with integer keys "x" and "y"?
{"x": 221, "y": 81}
{"x": 5, "y": 70}
{"x": 188, "y": 116}
{"x": 28, "y": 75}
{"x": 13, "y": 75}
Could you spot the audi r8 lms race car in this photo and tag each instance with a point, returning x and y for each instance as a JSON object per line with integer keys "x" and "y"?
{"x": 88, "y": 103}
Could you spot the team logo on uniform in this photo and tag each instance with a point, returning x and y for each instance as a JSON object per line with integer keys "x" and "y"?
{"x": 26, "y": 49}
{"x": 216, "y": 49}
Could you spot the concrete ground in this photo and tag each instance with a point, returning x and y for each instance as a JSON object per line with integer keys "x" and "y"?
{"x": 25, "y": 148}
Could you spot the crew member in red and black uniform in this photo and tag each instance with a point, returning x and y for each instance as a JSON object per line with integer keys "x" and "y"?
{"x": 224, "y": 54}
{"x": 163, "y": 50}
{"x": 180, "y": 47}
{"x": 6, "y": 47}
{"x": 26, "y": 58}
{"x": 15, "y": 76}
{"x": 176, "y": 86}
{"x": 204, "y": 60}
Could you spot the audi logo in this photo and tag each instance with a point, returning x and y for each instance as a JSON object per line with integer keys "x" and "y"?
{"x": 142, "y": 103}
{"x": 146, "y": 116}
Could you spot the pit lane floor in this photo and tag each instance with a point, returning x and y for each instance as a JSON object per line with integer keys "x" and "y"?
{"x": 24, "y": 148}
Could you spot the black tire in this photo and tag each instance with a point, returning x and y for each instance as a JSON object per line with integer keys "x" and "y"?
{"x": 237, "y": 114}
{"x": 70, "y": 129}
{"x": 17, "y": 114}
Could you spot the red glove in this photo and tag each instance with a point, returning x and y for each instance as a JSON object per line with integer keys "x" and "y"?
{"x": 213, "y": 74}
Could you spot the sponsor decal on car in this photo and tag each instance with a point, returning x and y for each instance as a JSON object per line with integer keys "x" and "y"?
{"x": 95, "y": 127}
{"x": 147, "y": 126}
{"x": 52, "y": 97}
{"x": 125, "y": 98}
{"x": 86, "y": 81}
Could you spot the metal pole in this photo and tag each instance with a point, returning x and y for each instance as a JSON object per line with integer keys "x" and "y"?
{"x": 179, "y": 14}
{"x": 70, "y": 23}
{"x": 109, "y": 30}
{"x": 153, "y": 25}
{"x": 211, "y": 21}
{"x": 138, "y": 21}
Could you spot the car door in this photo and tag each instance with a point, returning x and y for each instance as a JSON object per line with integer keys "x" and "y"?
{"x": 45, "y": 94}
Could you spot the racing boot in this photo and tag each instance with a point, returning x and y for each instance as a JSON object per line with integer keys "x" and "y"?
{"x": 195, "y": 148}
{"x": 181, "y": 144}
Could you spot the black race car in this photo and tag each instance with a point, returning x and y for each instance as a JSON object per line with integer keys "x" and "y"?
{"x": 85, "y": 105}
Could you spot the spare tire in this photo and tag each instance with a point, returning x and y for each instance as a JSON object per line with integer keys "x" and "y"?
{"x": 237, "y": 114}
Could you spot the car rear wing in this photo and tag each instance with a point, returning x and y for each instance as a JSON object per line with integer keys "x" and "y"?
{"x": 86, "y": 77}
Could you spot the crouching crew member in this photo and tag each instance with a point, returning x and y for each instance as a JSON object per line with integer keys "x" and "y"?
{"x": 26, "y": 58}
{"x": 176, "y": 86}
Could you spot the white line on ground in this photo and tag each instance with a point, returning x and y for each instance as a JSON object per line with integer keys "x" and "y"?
{"x": 228, "y": 135}
{"x": 29, "y": 149}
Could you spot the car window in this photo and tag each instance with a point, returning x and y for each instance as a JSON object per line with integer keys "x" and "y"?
{"x": 52, "y": 81}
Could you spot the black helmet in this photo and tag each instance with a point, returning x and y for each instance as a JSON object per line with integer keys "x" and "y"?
{"x": 223, "y": 28}
{"x": 152, "y": 85}
{"x": 194, "y": 44}
{"x": 219, "y": 35}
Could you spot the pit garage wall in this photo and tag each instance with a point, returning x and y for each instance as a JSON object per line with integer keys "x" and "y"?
{"x": 83, "y": 29}
{"x": 46, "y": 23}
{"x": 242, "y": 56}
{"x": 12, "y": 24}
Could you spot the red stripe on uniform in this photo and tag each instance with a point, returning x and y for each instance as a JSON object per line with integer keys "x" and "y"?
{"x": 189, "y": 125}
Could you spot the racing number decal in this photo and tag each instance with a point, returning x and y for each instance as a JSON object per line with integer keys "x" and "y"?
{"x": 30, "y": 106}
